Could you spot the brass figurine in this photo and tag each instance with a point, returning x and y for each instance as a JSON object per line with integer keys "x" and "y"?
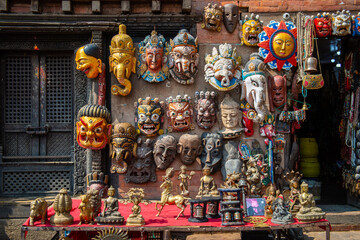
{"x": 308, "y": 210}
{"x": 270, "y": 199}
{"x": 293, "y": 179}
{"x": 86, "y": 211}
{"x": 254, "y": 172}
{"x": 135, "y": 196}
{"x": 207, "y": 185}
{"x": 184, "y": 177}
{"x": 110, "y": 213}
{"x": 38, "y": 211}
{"x": 281, "y": 214}
{"x": 62, "y": 206}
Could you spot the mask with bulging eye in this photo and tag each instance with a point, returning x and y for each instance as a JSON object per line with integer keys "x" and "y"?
{"x": 149, "y": 116}
{"x": 211, "y": 155}
{"x": 250, "y": 30}
{"x": 164, "y": 151}
{"x": 231, "y": 17}
{"x": 213, "y": 15}
{"x": 180, "y": 113}
{"x": 189, "y": 148}
{"x": 277, "y": 91}
{"x": 341, "y": 23}
{"x": 322, "y": 24}
{"x": 206, "y": 109}
{"x": 92, "y": 129}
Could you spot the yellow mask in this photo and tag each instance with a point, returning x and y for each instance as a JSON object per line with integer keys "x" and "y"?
{"x": 283, "y": 44}
{"x": 90, "y": 65}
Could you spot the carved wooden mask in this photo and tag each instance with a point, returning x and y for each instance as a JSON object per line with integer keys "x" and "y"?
{"x": 189, "y": 148}
{"x": 179, "y": 113}
{"x": 211, "y": 155}
{"x": 164, "y": 151}
{"x": 205, "y": 109}
{"x": 149, "y": 116}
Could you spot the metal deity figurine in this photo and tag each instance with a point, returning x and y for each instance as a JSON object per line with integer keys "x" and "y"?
{"x": 205, "y": 109}
{"x": 308, "y": 210}
{"x": 277, "y": 92}
{"x": 135, "y": 195}
{"x": 180, "y": 113}
{"x": 231, "y": 118}
{"x": 355, "y": 25}
{"x": 164, "y": 151}
{"x": 232, "y": 163}
{"x": 213, "y": 15}
{"x": 184, "y": 57}
{"x": 207, "y": 185}
{"x": 322, "y": 24}
{"x": 254, "y": 172}
{"x": 122, "y": 146}
{"x": 38, "y": 211}
{"x": 87, "y": 214}
{"x": 211, "y": 155}
{"x": 251, "y": 27}
{"x": 110, "y": 213}
{"x": 184, "y": 178}
{"x": 341, "y": 23}
{"x": 231, "y": 17}
{"x": 189, "y": 148}
{"x": 122, "y": 61}
{"x": 254, "y": 86}
{"x": 222, "y": 69}
{"x": 62, "y": 206}
{"x": 149, "y": 116}
{"x": 293, "y": 179}
{"x": 153, "y": 58}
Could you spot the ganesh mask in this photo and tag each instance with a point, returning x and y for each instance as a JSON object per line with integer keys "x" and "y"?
{"x": 123, "y": 147}
{"x": 277, "y": 91}
{"x": 149, "y": 116}
{"x": 206, "y": 109}
{"x": 341, "y": 23}
{"x": 212, "y": 151}
{"x": 164, "y": 151}
{"x": 152, "y": 64}
{"x": 222, "y": 70}
{"x": 179, "y": 113}
{"x": 184, "y": 57}
{"x": 231, "y": 17}
{"x": 251, "y": 27}
{"x": 189, "y": 148}
{"x": 88, "y": 60}
{"x": 322, "y": 24}
{"x": 93, "y": 130}
{"x": 213, "y": 15}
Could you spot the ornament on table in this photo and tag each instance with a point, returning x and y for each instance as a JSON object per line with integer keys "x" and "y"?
{"x": 88, "y": 60}
{"x": 184, "y": 57}
{"x": 164, "y": 151}
{"x": 232, "y": 163}
{"x": 254, "y": 87}
{"x": 110, "y": 213}
{"x": 270, "y": 198}
{"x": 251, "y": 27}
{"x": 278, "y": 172}
{"x": 189, "y": 148}
{"x": 184, "y": 180}
{"x": 62, "y": 207}
{"x": 293, "y": 179}
{"x": 166, "y": 196}
{"x": 244, "y": 151}
{"x": 207, "y": 184}
{"x": 254, "y": 172}
{"x": 87, "y": 215}
{"x": 93, "y": 129}
{"x": 279, "y": 143}
{"x": 281, "y": 214}
{"x": 212, "y": 18}
{"x": 322, "y": 24}
{"x": 231, "y": 17}
{"x": 267, "y": 128}
{"x": 38, "y": 211}
{"x": 248, "y": 113}
{"x": 122, "y": 61}
{"x": 136, "y": 195}
{"x": 122, "y": 146}
{"x": 341, "y": 23}
{"x": 222, "y": 69}
{"x": 142, "y": 168}
{"x": 211, "y": 155}
{"x": 281, "y": 126}
{"x": 179, "y": 113}
{"x": 149, "y": 116}
{"x": 278, "y": 45}
{"x": 308, "y": 210}
{"x": 153, "y": 58}
{"x": 231, "y": 118}
{"x": 205, "y": 109}
{"x": 355, "y": 25}
{"x": 277, "y": 92}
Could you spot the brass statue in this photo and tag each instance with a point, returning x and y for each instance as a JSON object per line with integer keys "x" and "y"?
{"x": 308, "y": 210}
{"x": 135, "y": 196}
{"x": 207, "y": 185}
{"x": 38, "y": 211}
{"x": 270, "y": 199}
{"x": 62, "y": 206}
{"x": 184, "y": 177}
{"x": 166, "y": 196}
{"x": 86, "y": 211}
{"x": 293, "y": 179}
{"x": 254, "y": 172}
{"x": 110, "y": 213}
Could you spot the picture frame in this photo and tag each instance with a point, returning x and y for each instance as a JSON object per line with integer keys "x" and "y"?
{"x": 255, "y": 206}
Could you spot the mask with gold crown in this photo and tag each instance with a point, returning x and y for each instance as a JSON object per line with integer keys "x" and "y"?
{"x": 341, "y": 23}
{"x": 213, "y": 15}
{"x": 251, "y": 26}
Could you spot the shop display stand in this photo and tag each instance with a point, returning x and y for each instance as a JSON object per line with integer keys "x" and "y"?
{"x": 231, "y": 210}
{"x": 213, "y": 207}
{"x": 198, "y": 210}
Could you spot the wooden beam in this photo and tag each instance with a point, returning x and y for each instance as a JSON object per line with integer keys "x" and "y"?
{"x": 4, "y": 6}
{"x": 186, "y": 6}
{"x": 35, "y": 6}
{"x": 156, "y": 6}
{"x": 125, "y": 6}
{"x": 96, "y": 6}
{"x": 66, "y": 6}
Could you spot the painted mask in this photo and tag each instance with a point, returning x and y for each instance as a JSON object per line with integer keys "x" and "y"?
{"x": 205, "y": 109}
{"x": 232, "y": 163}
{"x": 341, "y": 23}
{"x": 122, "y": 61}
{"x": 355, "y": 25}
{"x": 88, "y": 60}
{"x": 250, "y": 30}
{"x": 267, "y": 128}
{"x": 184, "y": 57}
{"x": 149, "y": 116}
{"x": 278, "y": 45}
{"x": 212, "y": 151}
{"x": 248, "y": 113}
{"x": 189, "y": 148}
{"x": 254, "y": 85}
{"x": 122, "y": 146}
{"x": 231, "y": 17}
{"x": 213, "y": 15}
{"x": 142, "y": 169}
{"x": 179, "y": 113}
{"x": 222, "y": 70}
{"x": 322, "y": 24}
{"x": 92, "y": 129}
{"x": 277, "y": 91}
{"x": 164, "y": 151}
{"x": 231, "y": 118}
{"x": 153, "y": 58}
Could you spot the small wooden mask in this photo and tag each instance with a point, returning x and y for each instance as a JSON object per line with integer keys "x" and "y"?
{"x": 179, "y": 113}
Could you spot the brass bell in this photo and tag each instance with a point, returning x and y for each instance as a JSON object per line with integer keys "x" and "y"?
{"x": 311, "y": 65}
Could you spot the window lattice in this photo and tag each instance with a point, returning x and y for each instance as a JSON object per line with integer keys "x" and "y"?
{"x": 59, "y": 143}
{"x": 17, "y": 144}
{"x": 25, "y": 182}
{"x": 18, "y": 90}
{"x": 58, "y": 89}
